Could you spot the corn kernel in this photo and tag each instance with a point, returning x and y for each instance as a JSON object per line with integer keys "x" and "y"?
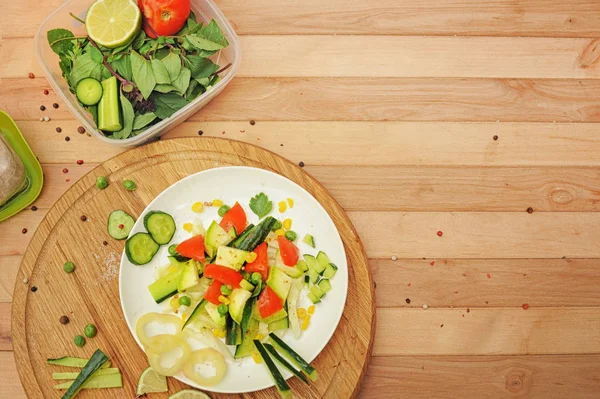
{"x": 311, "y": 309}
{"x": 305, "y": 323}
{"x": 174, "y": 302}
{"x": 290, "y": 202}
{"x": 282, "y": 206}
{"x": 223, "y": 299}
{"x": 184, "y": 316}
{"x": 188, "y": 227}
{"x": 222, "y": 333}
{"x": 280, "y": 232}
{"x": 301, "y": 313}
{"x": 198, "y": 207}
{"x": 259, "y": 337}
{"x": 287, "y": 224}
{"x": 256, "y": 357}
{"x": 251, "y": 257}
{"x": 218, "y": 203}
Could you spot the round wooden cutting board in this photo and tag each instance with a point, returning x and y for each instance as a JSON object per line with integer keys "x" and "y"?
{"x": 91, "y": 293}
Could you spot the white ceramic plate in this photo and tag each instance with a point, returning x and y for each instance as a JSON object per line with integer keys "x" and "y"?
{"x": 232, "y": 184}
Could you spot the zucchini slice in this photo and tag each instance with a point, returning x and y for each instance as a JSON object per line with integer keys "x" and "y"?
{"x": 293, "y": 357}
{"x": 257, "y": 235}
{"x": 160, "y": 225}
{"x": 285, "y": 363}
{"x": 282, "y": 387}
{"x": 95, "y": 362}
{"x": 235, "y": 243}
{"x": 195, "y": 313}
{"x": 141, "y": 248}
{"x": 120, "y": 224}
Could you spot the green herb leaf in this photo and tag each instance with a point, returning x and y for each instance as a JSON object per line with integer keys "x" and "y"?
{"x": 167, "y": 104}
{"x": 141, "y": 121}
{"x": 128, "y": 116}
{"x": 199, "y": 66}
{"x": 173, "y": 65}
{"x": 143, "y": 76}
{"x": 123, "y": 67}
{"x": 85, "y": 67}
{"x": 201, "y": 43}
{"x": 203, "y": 81}
{"x": 183, "y": 81}
{"x": 62, "y": 46}
{"x": 105, "y": 73}
{"x": 139, "y": 40}
{"x": 213, "y": 33}
{"x": 95, "y": 54}
{"x": 191, "y": 88}
{"x": 160, "y": 72}
{"x": 261, "y": 205}
{"x": 162, "y": 88}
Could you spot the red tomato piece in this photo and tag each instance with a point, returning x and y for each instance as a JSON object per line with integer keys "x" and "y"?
{"x": 269, "y": 303}
{"x": 235, "y": 217}
{"x": 261, "y": 264}
{"x": 192, "y": 248}
{"x": 164, "y": 17}
{"x": 288, "y": 251}
{"x": 223, "y": 274}
{"x": 213, "y": 292}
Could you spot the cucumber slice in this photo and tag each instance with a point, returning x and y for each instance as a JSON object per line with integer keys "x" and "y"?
{"x": 89, "y": 91}
{"x": 246, "y": 347}
{"x": 189, "y": 276}
{"x": 96, "y": 381}
{"x": 70, "y": 375}
{"x": 160, "y": 225}
{"x": 95, "y": 362}
{"x": 295, "y": 358}
{"x": 141, "y": 248}
{"x": 247, "y": 314}
{"x": 316, "y": 291}
{"x": 312, "y": 275}
{"x": 119, "y": 224}
{"x": 284, "y": 362}
{"x": 282, "y": 324}
{"x": 325, "y": 286}
{"x": 313, "y": 298}
{"x": 302, "y": 265}
{"x": 195, "y": 313}
{"x": 330, "y": 271}
{"x": 233, "y": 330}
{"x": 235, "y": 243}
{"x": 70, "y": 361}
{"x": 322, "y": 262}
{"x": 244, "y": 284}
{"x": 282, "y": 387}
{"x": 238, "y": 299}
{"x": 231, "y": 257}
{"x": 257, "y": 235}
{"x": 166, "y": 286}
{"x": 108, "y": 107}
{"x": 310, "y": 240}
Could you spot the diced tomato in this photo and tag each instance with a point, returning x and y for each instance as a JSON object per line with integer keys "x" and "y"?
{"x": 288, "y": 251}
{"x": 223, "y": 274}
{"x": 261, "y": 264}
{"x": 192, "y": 248}
{"x": 235, "y": 217}
{"x": 269, "y": 303}
{"x": 213, "y": 292}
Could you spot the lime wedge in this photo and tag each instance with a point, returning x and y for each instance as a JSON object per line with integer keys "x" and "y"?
{"x": 113, "y": 23}
{"x": 189, "y": 394}
{"x": 151, "y": 381}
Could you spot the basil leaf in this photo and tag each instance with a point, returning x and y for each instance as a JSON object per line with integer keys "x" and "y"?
{"x": 183, "y": 81}
{"x": 128, "y": 116}
{"x": 143, "y": 76}
{"x": 162, "y": 53}
{"x": 173, "y": 65}
{"x": 141, "y": 121}
{"x": 212, "y": 32}
{"x": 84, "y": 67}
{"x": 105, "y": 73}
{"x": 123, "y": 67}
{"x": 62, "y": 46}
{"x": 161, "y": 88}
{"x": 160, "y": 72}
{"x": 200, "y": 67}
{"x": 190, "y": 88}
{"x": 95, "y": 54}
{"x": 202, "y": 43}
{"x": 203, "y": 81}
{"x": 167, "y": 104}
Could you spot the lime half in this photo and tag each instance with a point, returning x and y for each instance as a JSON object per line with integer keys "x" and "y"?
{"x": 113, "y": 23}
{"x": 189, "y": 394}
{"x": 151, "y": 381}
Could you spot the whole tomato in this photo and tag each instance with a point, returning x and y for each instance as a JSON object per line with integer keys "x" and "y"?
{"x": 164, "y": 17}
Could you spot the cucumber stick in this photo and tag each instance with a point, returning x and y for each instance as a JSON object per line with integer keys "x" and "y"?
{"x": 295, "y": 358}
{"x": 70, "y": 375}
{"x": 70, "y": 361}
{"x": 282, "y": 387}
{"x": 95, "y": 362}
{"x": 284, "y": 362}
{"x": 108, "y": 107}
{"x": 114, "y": 380}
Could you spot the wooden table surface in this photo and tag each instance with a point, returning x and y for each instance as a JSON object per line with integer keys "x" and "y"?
{"x": 419, "y": 116}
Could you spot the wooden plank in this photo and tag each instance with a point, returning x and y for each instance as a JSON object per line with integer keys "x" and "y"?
{"x": 465, "y": 234}
{"x": 484, "y": 377}
{"x": 479, "y": 234}
{"x": 388, "y": 56}
{"x": 10, "y": 267}
{"x": 418, "y": 189}
{"x": 368, "y": 99}
{"x": 487, "y": 331}
{"x": 486, "y": 282}
{"x": 5, "y": 339}
{"x": 365, "y": 143}
{"x": 577, "y": 18}
{"x": 10, "y": 384}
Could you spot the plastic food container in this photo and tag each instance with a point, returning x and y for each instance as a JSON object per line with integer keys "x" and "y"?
{"x": 205, "y": 10}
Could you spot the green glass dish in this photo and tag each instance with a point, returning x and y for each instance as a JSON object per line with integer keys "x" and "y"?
{"x": 34, "y": 177}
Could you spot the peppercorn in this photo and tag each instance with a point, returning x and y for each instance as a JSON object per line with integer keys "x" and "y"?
{"x": 34, "y": 208}
{"x": 83, "y": 218}
{"x": 495, "y": 137}
{"x": 407, "y": 300}
{"x": 65, "y": 170}
{"x": 81, "y": 129}
{"x": 104, "y": 242}
{"x": 33, "y": 289}
{"x": 200, "y": 132}
{"x": 80, "y": 162}
{"x": 252, "y": 122}
{"x": 31, "y": 75}
{"x": 440, "y": 233}
{"x": 55, "y": 105}
{"x": 58, "y": 130}
{"x": 46, "y": 92}
{"x": 530, "y": 210}
{"x": 24, "y": 231}
{"x": 301, "y": 164}
{"x": 67, "y": 138}
{"x": 42, "y": 108}
{"x": 63, "y": 320}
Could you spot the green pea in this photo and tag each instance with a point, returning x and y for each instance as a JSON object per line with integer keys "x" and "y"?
{"x": 79, "y": 340}
{"x": 90, "y": 331}
{"x": 226, "y": 290}
{"x": 129, "y": 185}
{"x": 291, "y": 235}
{"x": 223, "y": 210}
{"x": 256, "y": 278}
{"x": 223, "y": 309}
{"x": 101, "y": 182}
{"x": 69, "y": 267}
{"x": 276, "y": 226}
{"x": 185, "y": 300}
{"x": 172, "y": 250}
